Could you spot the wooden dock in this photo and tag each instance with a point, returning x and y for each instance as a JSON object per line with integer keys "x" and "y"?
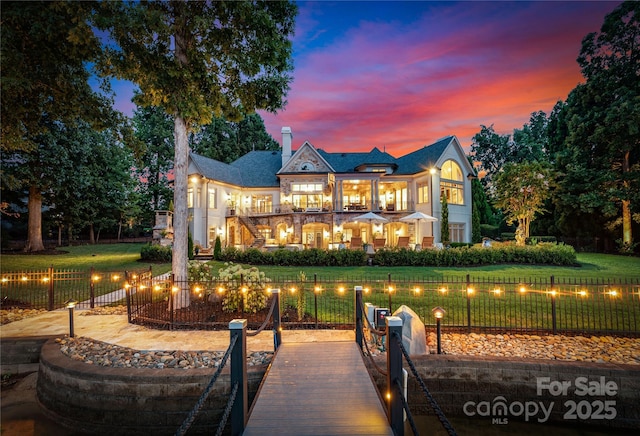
{"x": 318, "y": 388}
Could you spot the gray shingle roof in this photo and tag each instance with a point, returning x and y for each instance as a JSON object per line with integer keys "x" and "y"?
{"x": 254, "y": 169}
{"x": 259, "y": 168}
{"x": 423, "y": 158}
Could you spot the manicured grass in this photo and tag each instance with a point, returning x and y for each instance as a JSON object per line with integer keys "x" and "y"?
{"x": 592, "y": 266}
{"x": 108, "y": 257}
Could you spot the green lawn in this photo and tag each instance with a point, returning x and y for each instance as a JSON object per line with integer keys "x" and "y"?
{"x": 592, "y": 266}
{"x": 108, "y": 257}
{"x": 120, "y": 257}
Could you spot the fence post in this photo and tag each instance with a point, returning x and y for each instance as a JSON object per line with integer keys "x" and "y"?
{"x": 277, "y": 323}
{"x": 92, "y": 290}
{"x": 468, "y": 304}
{"x": 51, "y": 293}
{"x": 172, "y": 290}
{"x": 238, "y": 327}
{"x": 389, "y": 290}
{"x": 127, "y": 294}
{"x": 553, "y": 305}
{"x": 394, "y": 375}
{"x": 315, "y": 297}
{"x": 358, "y": 306}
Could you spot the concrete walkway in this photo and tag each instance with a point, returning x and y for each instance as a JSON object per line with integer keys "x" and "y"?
{"x": 115, "y": 329}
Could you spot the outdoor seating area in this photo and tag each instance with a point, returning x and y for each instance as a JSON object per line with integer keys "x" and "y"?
{"x": 403, "y": 242}
{"x": 356, "y": 243}
{"x": 379, "y": 243}
{"x": 427, "y": 242}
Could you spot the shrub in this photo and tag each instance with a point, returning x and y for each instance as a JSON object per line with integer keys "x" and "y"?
{"x": 190, "y": 247}
{"x": 490, "y": 231}
{"x": 155, "y": 253}
{"x": 217, "y": 249}
{"x": 245, "y": 288}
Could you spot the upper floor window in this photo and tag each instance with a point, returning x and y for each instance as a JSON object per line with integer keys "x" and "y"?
{"x": 190, "y": 202}
{"x": 451, "y": 182}
{"x": 423, "y": 193}
{"x": 306, "y": 187}
{"x": 213, "y": 199}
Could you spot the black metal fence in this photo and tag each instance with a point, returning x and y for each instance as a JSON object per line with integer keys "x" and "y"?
{"x": 51, "y": 288}
{"x": 536, "y": 305}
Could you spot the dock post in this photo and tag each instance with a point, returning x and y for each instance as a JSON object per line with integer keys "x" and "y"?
{"x": 277, "y": 323}
{"x": 394, "y": 375}
{"x": 358, "y": 307}
{"x": 238, "y": 327}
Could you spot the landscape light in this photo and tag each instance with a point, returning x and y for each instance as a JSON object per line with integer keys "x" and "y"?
{"x": 70, "y": 304}
{"x": 438, "y": 313}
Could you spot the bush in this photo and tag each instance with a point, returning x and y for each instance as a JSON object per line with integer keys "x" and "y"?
{"x": 155, "y": 253}
{"x": 490, "y": 231}
{"x": 217, "y": 249}
{"x": 245, "y": 288}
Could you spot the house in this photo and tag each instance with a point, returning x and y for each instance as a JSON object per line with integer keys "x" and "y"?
{"x": 310, "y": 198}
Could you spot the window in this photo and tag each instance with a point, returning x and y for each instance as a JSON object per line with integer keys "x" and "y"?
{"x": 262, "y": 203}
{"x": 456, "y": 232}
{"x": 453, "y": 191}
{"x": 423, "y": 193}
{"x": 213, "y": 199}
{"x": 190, "y": 197}
{"x": 307, "y": 201}
{"x": 452, "y": 183}
{"x": 306, "y": 187}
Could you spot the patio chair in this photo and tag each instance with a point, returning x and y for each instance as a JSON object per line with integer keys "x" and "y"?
{"x": 356, "y": 243}
{"x": 379, "y": 243}
{"x": 403, "y": 242}
{"x": 427, "y": 242}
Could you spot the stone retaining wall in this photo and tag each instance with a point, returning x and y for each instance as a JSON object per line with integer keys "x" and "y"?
{"x": 20, "y": 355}
{"x": 495, "y": 388}
{"x": 125, "y": 401}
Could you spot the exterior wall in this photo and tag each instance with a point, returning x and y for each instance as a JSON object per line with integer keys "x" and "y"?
{"x": 457, "y": 213}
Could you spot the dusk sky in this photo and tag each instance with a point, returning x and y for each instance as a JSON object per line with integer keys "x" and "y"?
{"x": 400, "y": 75}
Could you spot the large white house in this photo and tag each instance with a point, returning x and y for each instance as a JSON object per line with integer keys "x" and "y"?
{"x": 310, "y": 198}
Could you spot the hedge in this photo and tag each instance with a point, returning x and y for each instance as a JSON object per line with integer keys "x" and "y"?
{"x": 155, "y": 253}
{"x": 540, "y": 254}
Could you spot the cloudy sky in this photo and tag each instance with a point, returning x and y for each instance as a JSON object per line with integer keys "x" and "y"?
{"x": 400, "y": 75}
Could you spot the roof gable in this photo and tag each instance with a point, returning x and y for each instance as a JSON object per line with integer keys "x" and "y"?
{"x": 307, "y": 159}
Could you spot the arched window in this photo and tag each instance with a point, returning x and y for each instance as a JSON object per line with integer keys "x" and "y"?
{"x": 452, "y": 182}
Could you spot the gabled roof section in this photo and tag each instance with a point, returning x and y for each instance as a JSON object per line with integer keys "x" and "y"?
{"x": 424, "y": 158}
{"x": 350, "y": 162}
{"x": 254, "y": 169}
{"x": 307, "y": 152}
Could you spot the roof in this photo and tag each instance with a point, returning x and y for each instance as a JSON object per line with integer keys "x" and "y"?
{"x": 348, "y": 162}
{"x": 254, "y": 169}
{"x": 259, "y": 168}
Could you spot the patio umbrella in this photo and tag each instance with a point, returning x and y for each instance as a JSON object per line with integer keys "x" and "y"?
{"x": 371, "y": 218}
{"x": 417, "y": 216}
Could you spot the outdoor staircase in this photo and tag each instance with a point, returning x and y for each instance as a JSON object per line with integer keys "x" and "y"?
{"x": 258, "y": 239}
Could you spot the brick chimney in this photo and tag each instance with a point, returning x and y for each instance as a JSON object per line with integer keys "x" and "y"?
{"x": 287, "y": 136}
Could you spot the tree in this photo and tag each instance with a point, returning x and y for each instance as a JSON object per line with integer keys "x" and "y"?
{"x": 45, "y": 47}
{"x": 528, "y": 144}
{"x": 195, "y": 59}
{"x": 444, "y": 222}
{"x": 519, "y": 190}
{"x": 154, "y": 159}
{"x": 227, "y": 141}
{"x": 603, "y": 122}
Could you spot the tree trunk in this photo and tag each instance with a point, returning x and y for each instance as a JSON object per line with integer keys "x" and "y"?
{"x": 92, "y": 237}
{"x": 181, "y": 298}
{"x": 34, "y": 207}
{"x": 627, "y": 236}
{"x": 60, "y": 235}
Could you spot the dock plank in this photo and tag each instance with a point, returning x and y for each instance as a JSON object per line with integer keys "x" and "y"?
{"x": 319, "y": 388}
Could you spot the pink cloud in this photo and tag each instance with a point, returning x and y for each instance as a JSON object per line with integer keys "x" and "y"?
{"x": 403, "y": 85}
